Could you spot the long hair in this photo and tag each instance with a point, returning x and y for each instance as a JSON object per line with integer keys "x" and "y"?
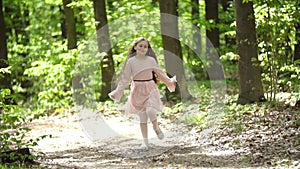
{"x": 150, "y": 52}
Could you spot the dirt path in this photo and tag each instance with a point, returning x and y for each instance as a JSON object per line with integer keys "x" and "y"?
{"x": 94, "y": 141}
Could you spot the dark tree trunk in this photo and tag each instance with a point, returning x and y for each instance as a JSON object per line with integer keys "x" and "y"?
{"x": 297, "y": 46}
{"x": 172, "y": 47}
{"x": 69, "y": 31}
{"x": 104, "y": 45}
{"x": 230, "y": 41}
{"x": 214, "y": 68}
{"x": 70, "y": 25}
{"x": 211, "y": 13}
{"x": 250, "y": 85}
{"x": 195, "y": 20}
{"x": 4, "y": 81}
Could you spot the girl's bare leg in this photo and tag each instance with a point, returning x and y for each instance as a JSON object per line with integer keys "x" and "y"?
{"x": 144, "y": 129}
{"x": 155, "y": 124}
{"x": 153, "y": 117}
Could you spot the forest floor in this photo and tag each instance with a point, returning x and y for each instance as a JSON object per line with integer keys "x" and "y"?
{"x": 93, "y": 140}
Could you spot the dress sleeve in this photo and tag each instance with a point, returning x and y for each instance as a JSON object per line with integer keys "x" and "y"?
{"x": 169, "y": 82}
{"x": 125, "y": 77}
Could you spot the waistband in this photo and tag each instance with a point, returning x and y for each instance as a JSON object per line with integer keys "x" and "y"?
{"x": 143, "y": 80}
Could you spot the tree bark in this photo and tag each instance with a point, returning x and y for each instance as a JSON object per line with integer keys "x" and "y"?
{"x": 4, "y": 81}
{"x": 195, "y": 20}
{"x": 250, "y": 85}
{"x": 104, "y": 45}
{"x": 229, "y": 41}
{"x": 172, "y": 47}
{"x": 69, "y": 30}
{"x": 211, "y": 13}
{"x": 297, "y": 46}
{"x": 70, "y": 25}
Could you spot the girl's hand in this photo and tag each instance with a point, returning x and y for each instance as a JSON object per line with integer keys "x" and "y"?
{"x": 112, "y": 96}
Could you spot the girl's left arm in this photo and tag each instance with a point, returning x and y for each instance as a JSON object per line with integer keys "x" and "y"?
{"x": 169, "y": 82}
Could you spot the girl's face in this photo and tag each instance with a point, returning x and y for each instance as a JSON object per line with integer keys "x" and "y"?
{"x": 141, "y": 48}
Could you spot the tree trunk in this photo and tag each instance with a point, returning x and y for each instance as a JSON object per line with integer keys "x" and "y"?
{"x": 297, "y": 46}
{"x": 250, "y": 85}
{"x": 4, "y": 81}
{"x": 195, "y": 20}
{"x": 229, "y": 41}
{"x": 107, "y": 64}
{"x": 172, "y": 48}
{"x": 211, "y": 13}
{"x": 70, "y": 25}
{"x": 69, "y": 30}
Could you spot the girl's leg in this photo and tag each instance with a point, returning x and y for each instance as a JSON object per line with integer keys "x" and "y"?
{"x": 151, "y": 112}
{"x": 144, "y": 129}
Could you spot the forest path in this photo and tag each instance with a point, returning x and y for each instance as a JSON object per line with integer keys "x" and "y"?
{"x": 94, "y": 141}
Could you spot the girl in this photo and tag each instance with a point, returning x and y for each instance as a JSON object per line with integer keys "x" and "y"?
{"x": 142, "y": 69}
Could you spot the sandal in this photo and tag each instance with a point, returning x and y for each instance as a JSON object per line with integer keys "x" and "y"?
{"x": 159, "y": 133}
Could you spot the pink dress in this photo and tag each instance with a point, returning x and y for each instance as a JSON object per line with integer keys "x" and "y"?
{"x": 143, "y": 93}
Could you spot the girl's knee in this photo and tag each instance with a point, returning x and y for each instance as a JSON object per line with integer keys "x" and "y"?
{"x": 151, "y": 113}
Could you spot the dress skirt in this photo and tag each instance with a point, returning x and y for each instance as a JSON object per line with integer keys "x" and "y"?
{"x": 143, "y": 94}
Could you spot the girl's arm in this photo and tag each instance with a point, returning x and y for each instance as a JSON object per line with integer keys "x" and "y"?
{"x": 162, "y": 76}
{"x": 117, "y": 94}
{"x": 169, "y": 82}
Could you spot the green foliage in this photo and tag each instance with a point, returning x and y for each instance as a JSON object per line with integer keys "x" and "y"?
{"x": 52, "y": 80}
{"x": 276, "y": 37}
{"x": 42, "y": 68}
{"x": 230, "y": 65}
{"x": 13, "y": 128}
{"x": 197, "y": 119}
{"x": 19, "y": 166}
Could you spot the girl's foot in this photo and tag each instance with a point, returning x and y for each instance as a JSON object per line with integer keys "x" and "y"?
{"x": 159, "y": 133}
{"x": 145, "y": 145}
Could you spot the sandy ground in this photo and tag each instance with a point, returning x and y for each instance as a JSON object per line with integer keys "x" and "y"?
{"x": 90, "y": 140}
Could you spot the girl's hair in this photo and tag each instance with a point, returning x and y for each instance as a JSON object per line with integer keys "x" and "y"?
{"x": 150, "y": 52}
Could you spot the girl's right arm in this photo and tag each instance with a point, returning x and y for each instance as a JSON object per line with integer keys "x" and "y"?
{"x": 117, "y": 94}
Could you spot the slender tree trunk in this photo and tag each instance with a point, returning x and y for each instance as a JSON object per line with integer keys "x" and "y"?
{"x": 172, "y": 47}
{"x": 229, "y": 41}
{"x": 69, "y": 31}
{"x": 70, "y": 25}
{"x": 297, "y": 46}
{"x": 197, "y": 51}
{"x": 211, "y": 13}
{"x": 104, "y": 45}
{"x": 195, "y": 20}
{"x": 250, "y": 85}
{"x": 4, "y": 81}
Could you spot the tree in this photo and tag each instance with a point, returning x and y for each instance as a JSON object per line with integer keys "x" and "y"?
{"x": 214, "y": 66}
{"x": 107, "y": 64}
{"x": 211, "y": 14}
{"x": 229, "y": 41}
{"x": 70, "y": 24}
{"x": 69, "y": 29}
{"x": 297, "y": 46}
{"x": 172, "y": 46}
{"x": 195, "y": 19}
{"x": 4, "y": 81}
{"x": 250, "y": 85}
